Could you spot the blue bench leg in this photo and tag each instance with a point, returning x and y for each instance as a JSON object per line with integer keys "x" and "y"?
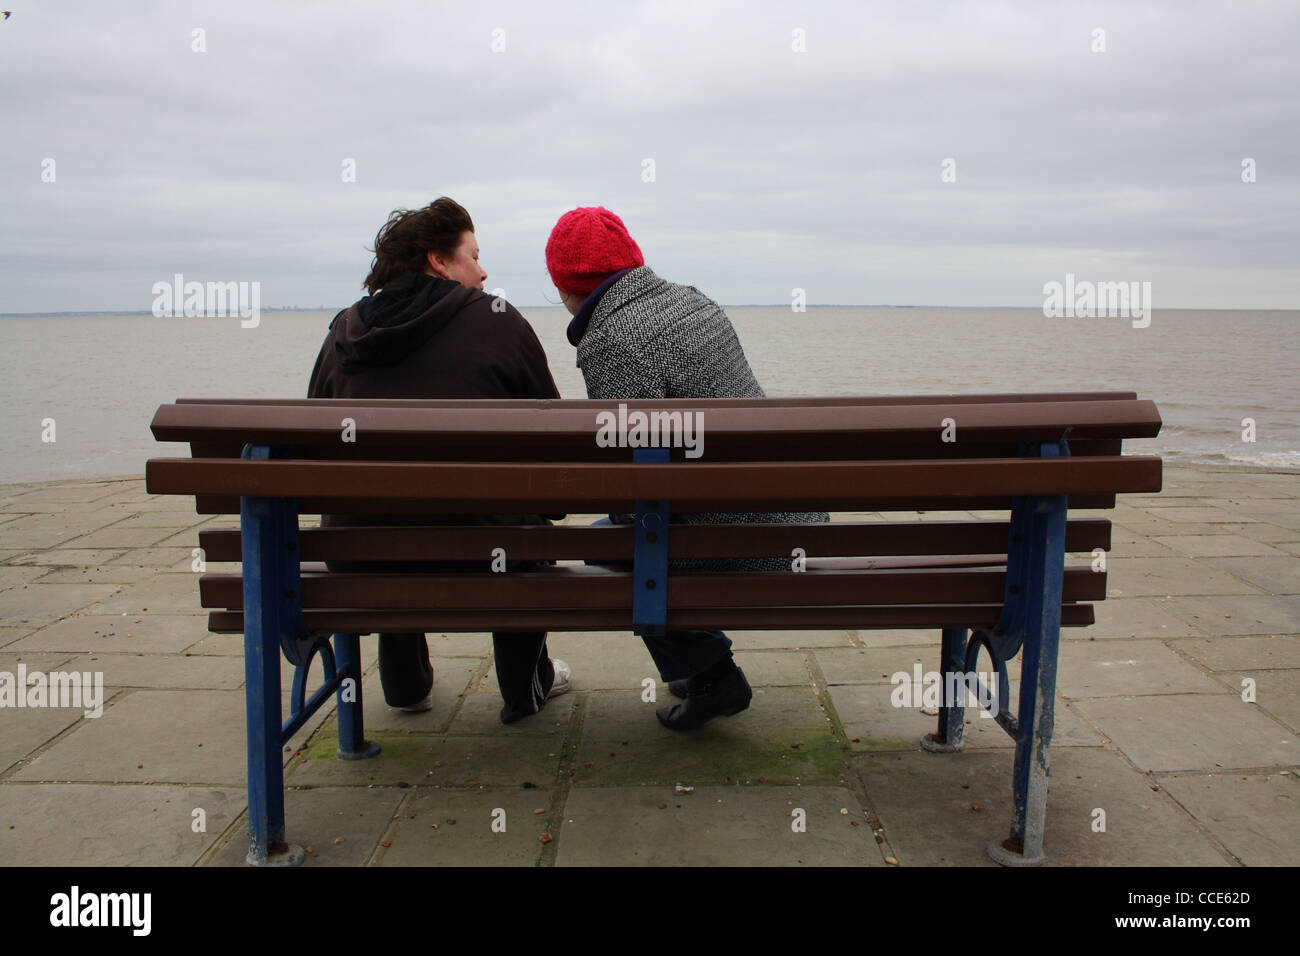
{"x": 1037, "y": 688}
{"x": 262, "y": 530}
{"x": 352, "y": 736}
{"x": 266, "y": 842}
{"x": 949, "y": 737}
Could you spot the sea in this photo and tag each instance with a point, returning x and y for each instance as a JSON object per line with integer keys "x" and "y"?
{"x": 78, "y": 391}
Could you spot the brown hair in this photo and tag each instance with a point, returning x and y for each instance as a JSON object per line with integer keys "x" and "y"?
{"x": 404, "y": 242}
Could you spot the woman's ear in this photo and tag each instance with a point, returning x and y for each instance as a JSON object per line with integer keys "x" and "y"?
{"x": 435, "y": 266}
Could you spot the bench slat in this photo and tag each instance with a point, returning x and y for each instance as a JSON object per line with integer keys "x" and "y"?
{"x": 802, "y": 448}
{"x": 522, "y": 427}
{"x": 741, "y": 486}
{"x": 589, "y": 619}
{"x": 577, "y": 587}
{"x": 685, "y": 541}
{"x": 938, "y": 398}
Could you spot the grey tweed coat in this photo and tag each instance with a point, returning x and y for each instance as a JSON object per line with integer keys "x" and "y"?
{"x": 649, "y": 338}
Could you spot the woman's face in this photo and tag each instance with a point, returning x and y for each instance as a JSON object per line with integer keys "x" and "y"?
{"x": 462, "y": 266}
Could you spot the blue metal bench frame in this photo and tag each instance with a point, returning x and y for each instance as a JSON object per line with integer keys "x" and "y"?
{"x": 273, "y": 624}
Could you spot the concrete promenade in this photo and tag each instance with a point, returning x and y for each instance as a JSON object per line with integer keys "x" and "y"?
{"x": 1153, "y": 738}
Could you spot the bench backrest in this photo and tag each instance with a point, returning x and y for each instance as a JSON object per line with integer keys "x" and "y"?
{"x": 880, "y": 454}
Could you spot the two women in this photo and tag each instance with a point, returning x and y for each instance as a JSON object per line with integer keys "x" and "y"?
{"x": 427, "y": 330}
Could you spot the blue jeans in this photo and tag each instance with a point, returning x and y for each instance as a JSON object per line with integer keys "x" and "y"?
{"x": 681, "y": 654}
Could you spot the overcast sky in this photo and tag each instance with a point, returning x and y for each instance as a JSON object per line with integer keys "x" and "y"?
{"x": 773, "y": 168}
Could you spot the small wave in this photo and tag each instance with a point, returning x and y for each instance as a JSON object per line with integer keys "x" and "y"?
{"x": 1277, "y": 459}
{"x": 1289, "y": 460}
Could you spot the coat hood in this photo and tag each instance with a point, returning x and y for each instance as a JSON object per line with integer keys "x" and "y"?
{"x": 385, "y": 327}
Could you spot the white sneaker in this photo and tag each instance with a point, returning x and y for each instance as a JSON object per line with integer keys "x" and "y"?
{"x": 420, "y": 707}
{"x": 563, "y": 678}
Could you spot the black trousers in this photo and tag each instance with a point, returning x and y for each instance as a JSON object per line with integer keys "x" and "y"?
{"x": 524, "y": 671}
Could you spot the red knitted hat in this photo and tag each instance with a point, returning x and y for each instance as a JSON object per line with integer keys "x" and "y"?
{"x": 587, "y": 245}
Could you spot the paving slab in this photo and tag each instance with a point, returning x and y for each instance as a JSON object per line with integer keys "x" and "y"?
{"x": 1284, "y": 519}
{"x": 465, "y": 835}
{"x": 100, "y": 574}
{"x": 1201, "y": 515}
{"x": 784, "y": 737}
{"x": 1217, "y": 545}
{"x": 428, "y": 760}
{"x": 25, "y": 729}
{"x": 715, "y": 826}
{"x": 217, "y": 645}
{"x": 80, "y": 825}
{"x": 1131, "y": 617}
{"x": 1257, "y": 816}
{"x": 169, "y": 593}
{"x": 757, "y": 640}
{"x": 11, "y": 635}
{"x": 1128, "y": 668}
{"x": 44, "y": 603}
{"x": 67, "y": 557}
{"x": 119, "y": 633}
{"x": 1277, "y": 575}
{"x": 179, "y": 559}
{"x": 873, "y": 723}
{"x": 342, "y": 826}
{"x": 1262, "y": 531}
{"x": 1192, "y": 732}
{"x": 204, "y": 741}
{"x": 181, "y": 505}
{"x": 1275, "y": 692}
{"x": 1125, "y": 543}
{"x": 775, "y": 668}
{"x": 1248, "y": 653}
{"x": 874, "y": 665}
{"x": 60, "y": 493}
{"x": 945, "y": 828}
{"x": 923, "y": 637}
{"x": 1145, "y": 577}
{"x": 12, "y": 576}
{"x": 39, "y": 531}
{"x": 1146, "y": 525}
{"x": 116, "y": 536}
{"x": 171, "y": 521}
{"x": 162, "y": 671}
{"x": 1247, "y": 614}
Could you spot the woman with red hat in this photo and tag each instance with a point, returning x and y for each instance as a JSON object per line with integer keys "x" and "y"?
{"x": 641, "y": 337}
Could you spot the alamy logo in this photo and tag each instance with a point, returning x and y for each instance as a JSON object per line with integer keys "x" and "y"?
{"x": 932, "y": 690}
{"x": 1088, "y": 300}
{"x": 84, "y": 689}
{"x": 638, "y": 429}
{"x": 75, "y": 908}
{"x": 213, "y": 299}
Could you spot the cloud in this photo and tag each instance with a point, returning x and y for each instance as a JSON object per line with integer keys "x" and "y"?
{"x": 773, "y": 168}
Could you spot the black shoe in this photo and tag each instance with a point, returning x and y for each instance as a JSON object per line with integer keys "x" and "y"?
{"x": 709, "y": 696}
{"x": 680, "y": 688}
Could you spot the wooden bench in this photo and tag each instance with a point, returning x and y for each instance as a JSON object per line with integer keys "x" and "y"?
{"x": 998, "y": 585}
